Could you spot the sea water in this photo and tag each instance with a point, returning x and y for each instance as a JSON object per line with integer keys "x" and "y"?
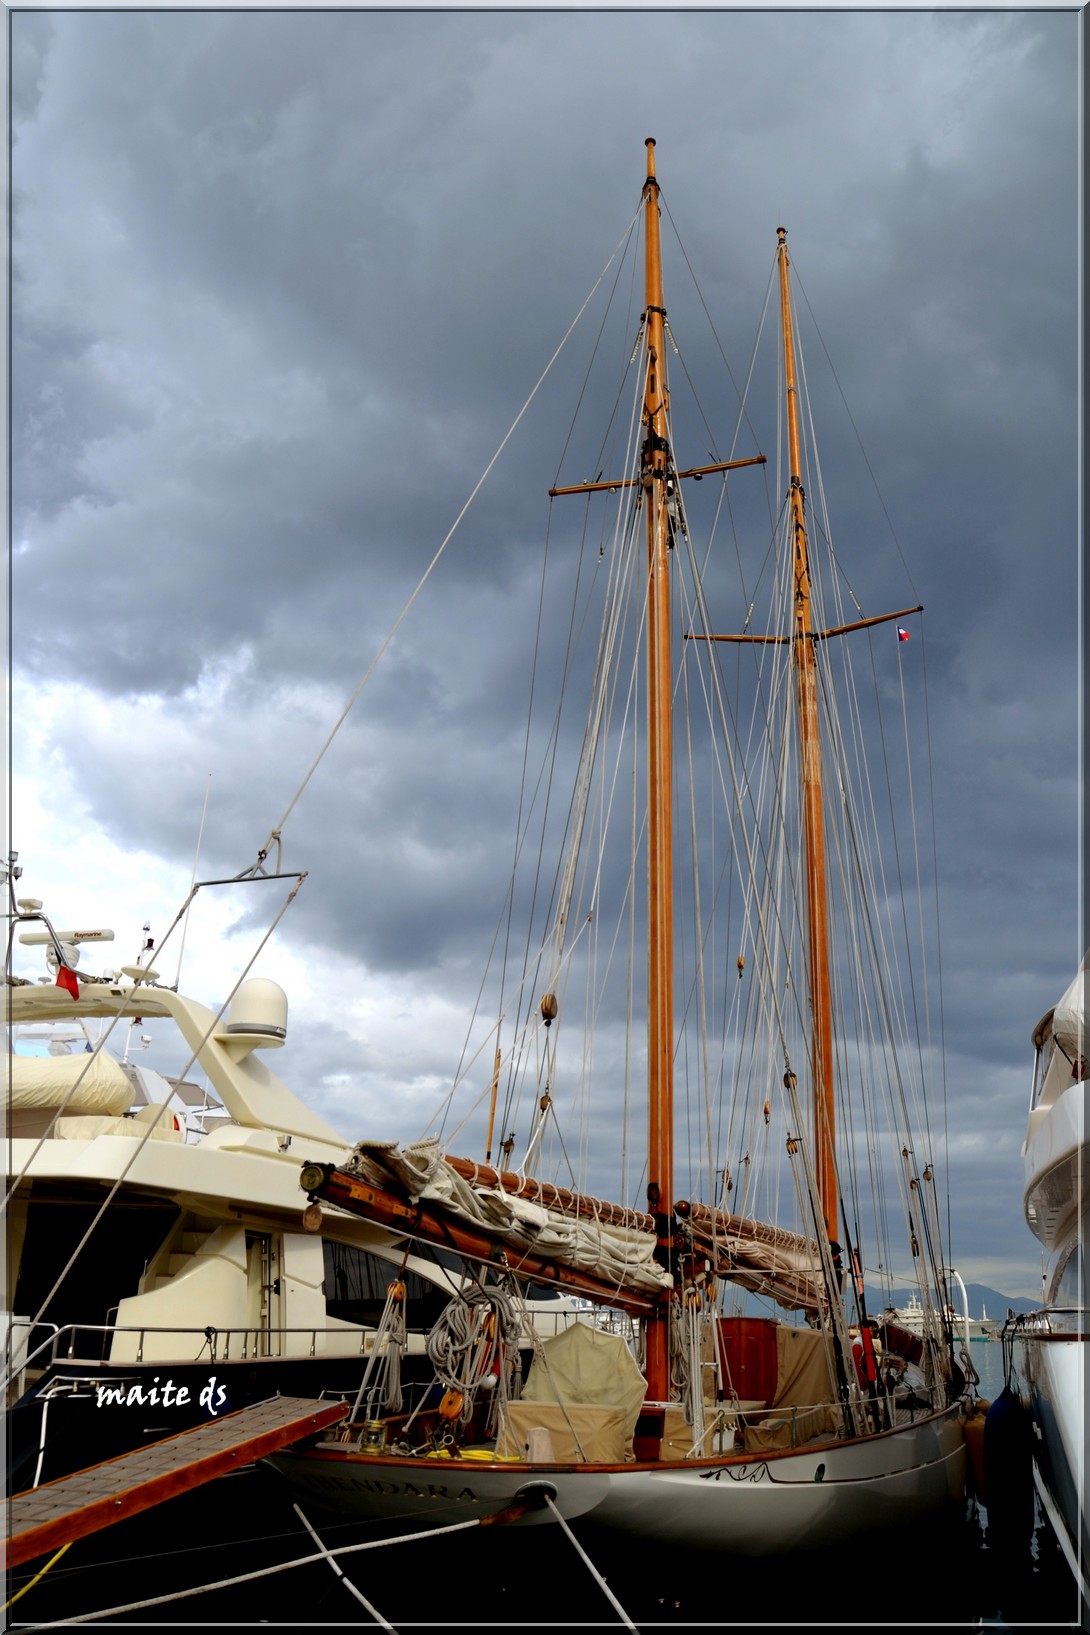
{"x": 987, "y": 1358}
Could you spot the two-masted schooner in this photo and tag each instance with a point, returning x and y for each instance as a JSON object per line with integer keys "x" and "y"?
{"x": 679, "y": 1408}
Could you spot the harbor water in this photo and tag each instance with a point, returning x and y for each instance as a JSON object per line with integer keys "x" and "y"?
{"x": 539, "y": 1578}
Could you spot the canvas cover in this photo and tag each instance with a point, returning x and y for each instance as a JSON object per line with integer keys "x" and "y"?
{"x": 619, "y": 1254}
{"x": 88, "y": 1127}
{"x": 804, "y": 1388}
{"x": 586, "y": 1367}
{"x": 578, "y": 1432}
{"x": 81, "y": 1083}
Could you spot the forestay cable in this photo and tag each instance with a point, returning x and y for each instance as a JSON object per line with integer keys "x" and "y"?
{"x": 274, "y": 834}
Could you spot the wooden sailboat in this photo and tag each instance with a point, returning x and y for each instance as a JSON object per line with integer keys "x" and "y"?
{"x": 731, "y": 1431}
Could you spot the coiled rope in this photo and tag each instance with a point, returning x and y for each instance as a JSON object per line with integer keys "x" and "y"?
{"x": 471, "y": 1340}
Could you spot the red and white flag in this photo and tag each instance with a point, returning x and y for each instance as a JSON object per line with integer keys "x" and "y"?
{"x": 902, "y": 635}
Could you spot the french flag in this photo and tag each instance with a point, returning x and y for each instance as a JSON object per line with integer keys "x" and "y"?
{"x": 902, "y": 635}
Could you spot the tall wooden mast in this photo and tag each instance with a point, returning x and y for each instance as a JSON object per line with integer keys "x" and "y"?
{"x": 821, "y": 1035}
{"x": 656, "y": 476}
{"x": 660, "y": 954}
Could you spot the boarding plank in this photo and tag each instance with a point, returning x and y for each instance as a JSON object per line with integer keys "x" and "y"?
{"x": 43, "y": 1518}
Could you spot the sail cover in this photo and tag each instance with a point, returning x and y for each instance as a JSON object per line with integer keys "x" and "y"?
{"x": 758, "y": 1256}
{"x": 617, "y": 1254}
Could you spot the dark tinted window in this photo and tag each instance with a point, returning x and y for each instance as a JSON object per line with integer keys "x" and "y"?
{"x": 356, "y": 1286}
{"x": 105, "y": 1270}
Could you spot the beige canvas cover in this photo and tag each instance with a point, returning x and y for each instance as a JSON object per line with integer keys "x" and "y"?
{"x": 805, "y": 1392}
{"x": 81, "y": 1084}
{"x": 165, "y": 1126}
{"x": 619, "y": 1254}
{"x": 578, "y": 1433}
{"x": 586, "y": 1367}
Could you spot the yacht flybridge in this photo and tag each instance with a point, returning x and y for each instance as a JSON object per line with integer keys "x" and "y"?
{"x": 160, "y": 1272}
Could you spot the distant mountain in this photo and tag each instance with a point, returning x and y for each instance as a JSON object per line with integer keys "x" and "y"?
{"x": 981, "y": 1298}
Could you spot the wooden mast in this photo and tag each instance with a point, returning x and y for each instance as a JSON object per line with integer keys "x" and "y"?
{"x": 660, "y": 1019}
{"x": 821, "y": 1046}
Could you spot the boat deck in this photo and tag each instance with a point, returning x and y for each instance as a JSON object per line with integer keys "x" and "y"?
{"x": 44, "y": 1518}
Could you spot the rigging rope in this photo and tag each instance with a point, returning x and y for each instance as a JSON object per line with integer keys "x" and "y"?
{"x": 472, "y": 1342}
{"x": 38, "y": 1576}
{"x": 330, "y": 1556}
{"x": 387, "y": 1350}
{"x": 399, "y": 621}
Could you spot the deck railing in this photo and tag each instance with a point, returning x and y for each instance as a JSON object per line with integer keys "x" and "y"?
{"x": 90, "y": 1343}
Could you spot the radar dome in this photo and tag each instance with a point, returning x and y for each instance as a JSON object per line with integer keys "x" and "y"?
{"x": 260, "y": 1008}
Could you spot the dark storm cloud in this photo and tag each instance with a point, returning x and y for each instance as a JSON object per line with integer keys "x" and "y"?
{"x": 281, "y": 282}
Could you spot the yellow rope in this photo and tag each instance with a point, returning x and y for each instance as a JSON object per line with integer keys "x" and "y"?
{"x": 36, "y": 1577}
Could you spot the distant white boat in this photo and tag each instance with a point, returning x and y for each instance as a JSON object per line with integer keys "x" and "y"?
{"x": 913, "y": 1318}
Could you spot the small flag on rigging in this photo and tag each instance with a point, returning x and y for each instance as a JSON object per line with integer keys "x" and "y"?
{"x": 902, "y": 635}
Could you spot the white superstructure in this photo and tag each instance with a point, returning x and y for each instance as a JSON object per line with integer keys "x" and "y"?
{"x": 1053, "y": 1341}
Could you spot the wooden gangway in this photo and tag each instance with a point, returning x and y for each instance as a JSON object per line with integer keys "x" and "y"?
{"x": 43, "y": 1518}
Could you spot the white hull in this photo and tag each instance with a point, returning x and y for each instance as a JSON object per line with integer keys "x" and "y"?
{"x": 1054, "y": 1380}
{"x": 751, "y": 1506}
{"x": 214, "y": 1287}
{"x": 800, "y": 1501}
{"x": 418, "y": 1495}
{"x": 1051, "y": 1345}
{"x": 1054, "y": 1375}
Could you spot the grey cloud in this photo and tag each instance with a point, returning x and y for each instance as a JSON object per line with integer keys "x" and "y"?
{"x": 282, "y": 282}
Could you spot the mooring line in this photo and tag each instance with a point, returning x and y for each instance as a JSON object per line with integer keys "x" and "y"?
{"x": 607, "y": 1592}
{"x": 262, "y": 1572}
{"x": 345, "y": 1580}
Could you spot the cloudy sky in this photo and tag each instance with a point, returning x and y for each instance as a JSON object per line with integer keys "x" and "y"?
{"x": 281, "y": 282}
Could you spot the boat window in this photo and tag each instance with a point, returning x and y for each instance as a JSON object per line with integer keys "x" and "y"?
{"x": 1071, "y": 1284}
{"x": 540, "y": 1291}
{"x": 356, "y": 1284}
{"x": 108, "y": 1267}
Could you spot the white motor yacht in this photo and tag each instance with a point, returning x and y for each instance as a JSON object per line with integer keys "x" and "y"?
{"x": 1051, "y": 1343}
{"x": 161, "y": 1267}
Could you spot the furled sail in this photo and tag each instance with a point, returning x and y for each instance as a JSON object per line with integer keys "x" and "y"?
{"x": 613, "y": 1247}
{"x": 766, "y": 1259}
{"x": 607, "y": 1252}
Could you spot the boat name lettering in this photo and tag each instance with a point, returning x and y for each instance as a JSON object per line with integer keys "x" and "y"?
{"x": 387, "y": 1489}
